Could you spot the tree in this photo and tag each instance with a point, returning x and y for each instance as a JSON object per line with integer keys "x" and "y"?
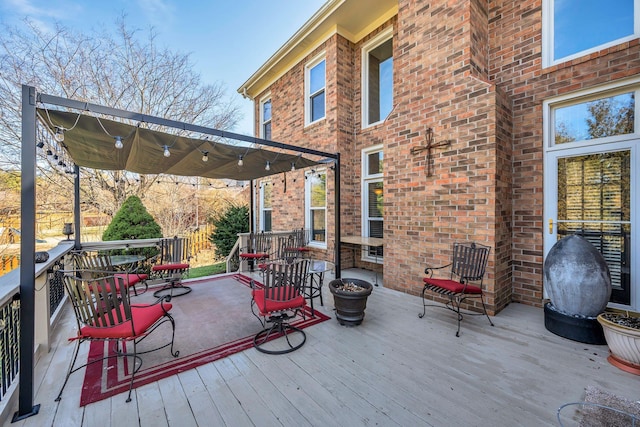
{"x": 233, "y": 220}
{"x": 125, "y": 70}
{"x": 133, "y": 221}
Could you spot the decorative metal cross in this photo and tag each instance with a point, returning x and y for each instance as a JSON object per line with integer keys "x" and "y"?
{"x": 430, "y": 145}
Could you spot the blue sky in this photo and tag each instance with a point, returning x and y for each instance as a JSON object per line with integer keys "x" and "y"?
{"x": 227, "y": 40}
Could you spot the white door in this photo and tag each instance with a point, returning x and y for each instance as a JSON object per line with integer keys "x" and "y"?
{"x": 591, "y": 179}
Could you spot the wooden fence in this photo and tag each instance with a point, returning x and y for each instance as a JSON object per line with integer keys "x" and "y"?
{"x": 8, "y": 263}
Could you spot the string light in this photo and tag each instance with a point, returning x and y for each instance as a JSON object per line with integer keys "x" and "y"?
{"x": 205, "y": 156}
{"x": 119, "y": 144}
{"x": 293, "y": 167}
{"x": 59, "y": 135}
{"x": 166, "y": 151}
{"x": 267, "y": 166}
{"x": 240, "y": 162}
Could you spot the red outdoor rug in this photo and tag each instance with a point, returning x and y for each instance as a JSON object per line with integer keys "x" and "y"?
{"x": 213, "y": 321}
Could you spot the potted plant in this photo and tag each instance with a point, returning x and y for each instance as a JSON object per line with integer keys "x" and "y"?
{"x": 622, "y": 332}
{"x": 350, "y": 299}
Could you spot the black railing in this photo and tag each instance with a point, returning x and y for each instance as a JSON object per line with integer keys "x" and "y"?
{"x": 55, "y": 278}
{"x": 10, "y": 343}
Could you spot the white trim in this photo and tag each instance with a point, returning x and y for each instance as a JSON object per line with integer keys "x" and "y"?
{"x": 307, "y": 208}
{"x": 307, "y": 95}
{"x": 548, "y": 35}
{"x": 263, "y": 184}
{"x": 264, "y": 100}
{"x": 376, "y": 41}
{"x": 365, "y": 180}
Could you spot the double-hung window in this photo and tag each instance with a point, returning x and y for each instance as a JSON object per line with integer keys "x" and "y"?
{"x": 265, "y": 118}
{"x": 266, "y": 190}
{"x": 315, "y": 84}
{"x": 372, "y": 198}
{"x": 316, "y": 207}
{"x": 573, "y": 28}
{"x": 377, "y": 78}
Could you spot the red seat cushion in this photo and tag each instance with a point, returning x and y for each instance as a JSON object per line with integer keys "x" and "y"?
{"x": 259, "y": 255}
{"x": 165, "y": 267}
{"x": 131, "y": 279}
{"x": 453, "y": 286}
{"x": 144, "y": 316}
{"x": 266, "y": 305}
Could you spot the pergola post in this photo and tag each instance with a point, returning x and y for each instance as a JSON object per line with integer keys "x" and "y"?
{"x": 26, "y": 408}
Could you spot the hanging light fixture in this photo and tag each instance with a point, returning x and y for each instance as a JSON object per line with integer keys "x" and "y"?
{"x": 119, "y": 143}
{"x": 267, "y": 167}
{"x": 293, "y": 167}
{"x": 240, "y": 162}
{"x": 205, "y": 156}
{"x": 166, "y": 151}
{"x": 59, "y": 135}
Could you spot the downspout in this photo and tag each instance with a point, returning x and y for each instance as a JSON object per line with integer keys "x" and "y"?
{"x": 337, "y": 220}
{"x": 26, "y": 408}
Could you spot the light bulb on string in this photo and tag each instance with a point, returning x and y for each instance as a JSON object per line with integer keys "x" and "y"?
{"x": 293, "y": 167}
{"x": 119, "y": 143}
{"x": 59, "y": 135}
{"x": 240, "y": 161}
{"x": 267, "y": 166}
{"x": 205, "y": 156}
{"x": 166, "y": 151}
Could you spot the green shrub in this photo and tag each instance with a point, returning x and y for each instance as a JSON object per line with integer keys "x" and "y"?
{"x": 131, "y": 222}
{"x": 230, "y": 222}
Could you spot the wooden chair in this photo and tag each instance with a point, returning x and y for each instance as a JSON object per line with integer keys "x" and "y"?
{"x": 277, "y": 301}
{"x": 101, "y": 265}
{"x": 104, "y": 313}
{"x": 468, "y": 264}
{"x": 258, "y": 249}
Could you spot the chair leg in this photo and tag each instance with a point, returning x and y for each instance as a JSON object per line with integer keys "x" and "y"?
{"x": 424, "y": 305}
{"x": 455, "y": 302}
{"x": 70, "y": 370}
{"x": 484, "y": 308}
{"x": 282, "y": 328}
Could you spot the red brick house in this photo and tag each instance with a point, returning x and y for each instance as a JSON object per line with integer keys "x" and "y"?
{"x": 534, "y": 134}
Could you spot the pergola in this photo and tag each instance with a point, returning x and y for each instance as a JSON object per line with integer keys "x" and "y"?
{"x": 92, "y": 141}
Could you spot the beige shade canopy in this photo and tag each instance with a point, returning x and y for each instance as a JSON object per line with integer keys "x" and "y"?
{"x": 90, "y": 142}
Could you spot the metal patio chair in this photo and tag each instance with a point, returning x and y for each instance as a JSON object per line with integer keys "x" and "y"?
{"x": 258, "y": 248}
{"x": 468, "y": 264}
{"x": 278, "y": 300}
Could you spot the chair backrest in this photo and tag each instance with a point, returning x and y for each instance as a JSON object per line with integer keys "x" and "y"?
{"x": 260, "y": 243}
{"x": 287, "y": 249}
{"x": 469, "y": 261}
{"x": 174, "y": 250}
{"x": 98, "y": 265}
{"x": 284, "y": 281}
{"x": 301, "y": 238}
{"x": 99, "y": 302}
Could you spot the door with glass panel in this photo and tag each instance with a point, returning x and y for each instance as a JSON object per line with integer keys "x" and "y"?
{"x": 590, "y": 179}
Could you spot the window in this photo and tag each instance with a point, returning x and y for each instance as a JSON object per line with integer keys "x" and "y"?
{"x": 265, "y": 118}
{"x": 373, "y": 198}
{"x": 315, "y": 90}
{"x": 316, "y": 207}
{"x": 377, "y": 79}
{"x": 575, "y": 28}
{"x": 266, "y": 189}
{"x": 610, "y": 115}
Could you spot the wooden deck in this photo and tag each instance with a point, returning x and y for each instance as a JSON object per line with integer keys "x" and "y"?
{"x": 394, "y": 369}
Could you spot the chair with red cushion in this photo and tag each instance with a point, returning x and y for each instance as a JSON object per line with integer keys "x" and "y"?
{"x": 277, "y": 301}
{"x": 468, "y": 264}
{"x": 101, "y": 265}
{"x": 104, "y": 313}
{"x": 171, "y": 275}
{"x": 258, "y": 249}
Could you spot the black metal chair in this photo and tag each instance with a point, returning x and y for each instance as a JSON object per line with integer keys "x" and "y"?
{"x": 101, "y": 265}
{"x": 258, "y": 249}
{"x": 277, "y": 301}
{"x": 104, "y": 313}
{"x": 468, "y": 264}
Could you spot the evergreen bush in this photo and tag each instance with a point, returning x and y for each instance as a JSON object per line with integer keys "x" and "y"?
{"x": 233, "y": 220}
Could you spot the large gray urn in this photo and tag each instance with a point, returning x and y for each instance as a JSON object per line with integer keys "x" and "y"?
{"x": 577, "y": 277}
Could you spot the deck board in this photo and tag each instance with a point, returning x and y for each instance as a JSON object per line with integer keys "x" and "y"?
{"x": 394, "y": 369}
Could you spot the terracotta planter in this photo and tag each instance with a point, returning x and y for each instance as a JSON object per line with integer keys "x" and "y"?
{"x": 623, "y": 342}
{"x": 350, "y": 305}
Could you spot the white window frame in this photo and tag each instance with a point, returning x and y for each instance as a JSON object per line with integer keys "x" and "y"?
{"x": 263, "y": 122}
{"x": 263, "y": 209}
{"x": 307, "y": 88}
{"x": 308, "y": 208}
{"x": 381, "y": 38}
{"x": 366, "y": 180}
{"x": 548, "y": 35}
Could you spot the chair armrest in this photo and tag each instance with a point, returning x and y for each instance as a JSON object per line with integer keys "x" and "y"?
{"x": 429, "y": 270}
